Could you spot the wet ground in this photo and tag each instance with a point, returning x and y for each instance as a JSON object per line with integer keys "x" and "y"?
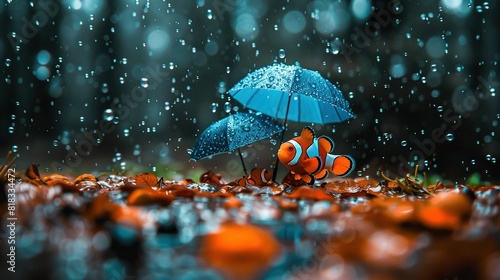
{"x": 147, "y": 227}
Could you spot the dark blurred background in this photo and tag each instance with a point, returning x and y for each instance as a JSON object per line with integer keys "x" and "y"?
{"x": 421, "y": 77}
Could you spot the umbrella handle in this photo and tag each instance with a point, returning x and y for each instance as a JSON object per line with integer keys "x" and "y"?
{"x": 275, "y": 171}
{"x": 242, "y": 162}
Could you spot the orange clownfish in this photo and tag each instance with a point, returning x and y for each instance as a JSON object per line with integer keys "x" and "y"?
{"x": 258, "y": 177}
{"x": 308, "y": 158}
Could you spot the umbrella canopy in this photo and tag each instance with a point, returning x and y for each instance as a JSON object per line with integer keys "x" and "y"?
{"x": 233, "y": 132}
{"x": 294, "y": 93}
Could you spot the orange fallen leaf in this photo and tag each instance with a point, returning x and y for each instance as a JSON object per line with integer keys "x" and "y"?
{"x": 210, "y": 177}
{"x": 453, "y": 202}
{"x": 310, "y": 193}
{"x": 100, "y": 208}
{"x": 32, "y": 172}
{"x": 240, "y": 251}
{"x": 146, "y": 180}
{"x": 142, "y": 196}
{"x": 129, "y": 216}
{"x": 60, "y": 180}
{"x": 436, "y": 218}
{"x": 232, "y": 202}
{"x": 85, "y": 177}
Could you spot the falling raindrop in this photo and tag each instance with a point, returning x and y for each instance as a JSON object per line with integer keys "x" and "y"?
{"x": 281, "y": 53}
{"x": 144, "y": 82}
{"x": 167, "y": 106}
{"x": 14, "y": 149}
{"x": 137, "y": 150}
{"x": 214, "y": 107}
{"x": 55, "y": 143}
{"x": 273, "y": 142}
{"x": 433, "y": 67}
{"x": 107, "y": 115}
{"x": 450, "y": 137}
{"x": 404, "y": 143}
{"x": 440, "y": 108}
{"x": 126, "y": 132}
{"x": 104, "y": 88}
{"x": 7, "y": 62}
{"x": 227, "y": 107}
{"x": 189, "y": 151}
{"x": 222, "y": 87}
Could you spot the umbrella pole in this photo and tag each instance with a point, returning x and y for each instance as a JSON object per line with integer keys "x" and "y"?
{"x": 275, "y": 171}
{"x": 242, "y": 162}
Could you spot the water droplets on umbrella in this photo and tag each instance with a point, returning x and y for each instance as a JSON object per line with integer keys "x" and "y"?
{"x": 233, "y": 132}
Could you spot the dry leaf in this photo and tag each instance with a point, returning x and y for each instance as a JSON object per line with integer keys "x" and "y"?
{"x": 240, "y": 251}
{"x": 85, "y": 177}
{"x": 142, "y": 196}
{"x": 310, "y": 193}
{"x": 146, "y": 180}
{"x": 32, "y": 172}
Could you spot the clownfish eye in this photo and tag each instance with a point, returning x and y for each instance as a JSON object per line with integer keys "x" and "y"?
{"x": 290, "y": 149}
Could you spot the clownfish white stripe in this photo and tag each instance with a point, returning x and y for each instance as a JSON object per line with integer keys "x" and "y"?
{"x": 262, "y": 176}
{"x": 298, "y": 152}
{"x": 329, "y": 161}
{"x": 313, "y": 150}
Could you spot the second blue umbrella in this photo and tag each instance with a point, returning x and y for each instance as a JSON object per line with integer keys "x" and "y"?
{"x": 233, "y": 132}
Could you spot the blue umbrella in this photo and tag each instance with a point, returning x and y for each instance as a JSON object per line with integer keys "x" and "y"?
{"x": 293, "y": 93}
{"x": 234, "y": 132}
{"x": 290, "y": 92}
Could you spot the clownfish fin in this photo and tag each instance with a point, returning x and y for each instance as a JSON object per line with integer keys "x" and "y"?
{"x": 312, "y": 165}
{"x": 241, "y": 181}
{"x": 326, "y": 143}
{"x": 308, "y": 179}
{"x": 307, "y": 132}
{"x": 251, "y": 182}
{"x": 321, "y": 175}
{"x": 297, "y": 177}
{"x": 343, "y": 165}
